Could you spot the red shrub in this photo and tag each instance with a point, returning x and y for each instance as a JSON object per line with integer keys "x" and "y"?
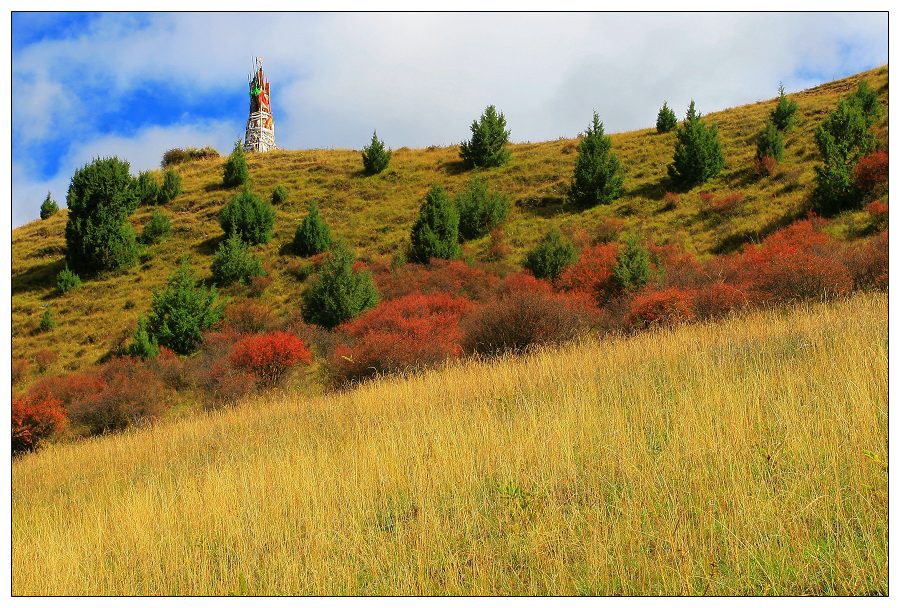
{"x": 269, "y": 356}
{"x": 44, "y": 358}
{"x": 498, "y": 249}
{"x": 592, "y": 273}
{"x": 706, "y": 198}
{"x": 70, "y": 388}
{"x": 129, "y": 394}
{"x": 670, "y": 201}
{"x": 440, "y": 276}
{"x": 249, "y": 317}
{"x": 868, "y": 262}
{"x": 871, "y": 173}
{"x": 526, "y": 313}
{"x": 225, "y": 383}
{"x": 797, "y": 262}
{"x": 728, "y": 203}
{"x": 171, "y": 369}
{"x": 401, "y": 334}
{"x": 258, "y": 285}
{"x": 878, "y": 210}
{"x": 717, "y": 299}
{"x": 35, "y": 418}
{"x": 665, "y": 307}
{"x": 20, "y": 369}
{"x": 675, "y": 267}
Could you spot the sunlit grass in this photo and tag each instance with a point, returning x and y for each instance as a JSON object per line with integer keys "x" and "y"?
{"x": 745, "y": 457}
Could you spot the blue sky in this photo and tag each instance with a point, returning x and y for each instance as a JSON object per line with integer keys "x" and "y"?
{"x": 137, "y": 84}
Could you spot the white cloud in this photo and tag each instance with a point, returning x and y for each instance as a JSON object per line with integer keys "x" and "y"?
{"x": 421, "y": 78}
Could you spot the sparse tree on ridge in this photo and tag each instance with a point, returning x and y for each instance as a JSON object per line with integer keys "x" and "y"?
{"x": 487, "y": 148}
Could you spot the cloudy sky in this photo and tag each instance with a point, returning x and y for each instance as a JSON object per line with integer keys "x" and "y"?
{"x": 136, "y": 84}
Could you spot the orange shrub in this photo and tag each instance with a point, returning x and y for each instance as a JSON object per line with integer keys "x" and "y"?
{"x": 868, "y": 262}
{"x": 269, "y": 356}
{"x": 592, "y": 273}
{"x": 224, "y": 383}
{"x": 35, "y": 417}
{"x": 44, "y": 358}
{"x": 249, "y": 317}
{"x": 765, "y": 165}
{"x": 453, "y": 277}
{"x": 675, "y": 267}
{"x": 665, "y": 307}
{"x": 609, "y": 230}
{"x": 717, "y": 300}
{"x": 401, "y": 334}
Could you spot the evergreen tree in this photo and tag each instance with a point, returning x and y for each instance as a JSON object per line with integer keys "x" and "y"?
{"x": 375, "y": 157}
{"x": 147, "y": 188}
{"x": 783, "y": 115}
{"x": 866, "y": 100}
{"x": 842, "y": 139}
{"x": 47, "y": 321}
{"x": 598, "y": 175}
{"x": 548, "y": 259}
{"x": 632, "y": 269}
{"x": 170, "y": 189}
{"x": 249, "y": 216}
{"x": 698, "y": 154}
{"x": 665, "y": 120}
{"x": 338, "y": 293}
{"x": 66, "y": 280}
{"x": 143, "y": 345}
{"x": 279, "y": 195}
{"x": 48, "y": 207}
{"x": 435, "y": 233}
{"x": 182, "y": 311}
{"x": 313, "y": 235}
{"x": 236, "y": 170}
{"x": 487, "y": 148}
{"x": 480, "y": 211}
{"x": 235, "y": 263}
{"x": 101, "y": 196}
{"x": 770, "y": 142}
{"x": 158, "y": 227}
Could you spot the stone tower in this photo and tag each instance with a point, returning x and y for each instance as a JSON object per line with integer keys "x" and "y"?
{"x": 260, "y": 136}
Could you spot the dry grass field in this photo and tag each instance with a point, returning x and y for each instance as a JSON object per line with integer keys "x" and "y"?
{"x": 375, "y": 214}
{"x": 743, "y": 457}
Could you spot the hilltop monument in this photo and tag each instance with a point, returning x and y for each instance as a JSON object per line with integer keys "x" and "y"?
{"x": 260, "y": 135}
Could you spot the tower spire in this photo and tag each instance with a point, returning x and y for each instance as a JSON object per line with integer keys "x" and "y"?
{"x": 260, "y": 135}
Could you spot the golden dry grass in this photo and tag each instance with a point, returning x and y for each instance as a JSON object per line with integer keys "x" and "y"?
{"x": 744, "y": 457}
{"x": 375, "y": 214}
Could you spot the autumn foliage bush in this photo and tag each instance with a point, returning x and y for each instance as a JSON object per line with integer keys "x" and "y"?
{"x": 795, "y": 263}
{"x": 35, "y": 417}
{"x": 453, "y": 277}
{"x": 868, "y": 262}
{"x": 249, "y": 317}
{"x": 269, "y": 356}
{"x": 397, "y": 335}
{"x": 20, "y": 369}
{"x": 665, "y": 307}
{"x": 592, "y": 272}
{"x": 717, "y": 299}
{"x": 526, "y": 312}
{"x": 871, "y": 173}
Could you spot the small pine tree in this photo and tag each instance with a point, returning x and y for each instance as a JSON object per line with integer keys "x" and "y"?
{"x": 147, "y": 188}
{"x": 47, "y": 321}
{"x": 67, "y": 280}
{"x": 279, "y": 195}
{"x": 338, "y": 293}
{"x": 598, "y": 175}
{"x": 235, "y": 263}
{"x": 632, "y": 269}
{"x": 770, "y": 142}
{"x": 143, "y": 346}
{"x": 249, "y": 216}
{"x": 313, "y": 235}
{"x": 170, "y": 189}
{"x": 375, "y": 157}
{"x": 783, "y": 116}
{"x": 158, "y": 227}
{"x": 487, "y": 148}
{"x": 48, "y": 207}
{"x": 435, "y": 233}
{"x": 842, "y": 139}
{"x": 698, "y": 154}
{"x": 101, "y": 196}
{"x": 182, "y": 311}
{"x": 666, "y": 119}
{"x": 551, "y": 255}
{"x": 480, "y": 211}
{"x": 236, "y": 171}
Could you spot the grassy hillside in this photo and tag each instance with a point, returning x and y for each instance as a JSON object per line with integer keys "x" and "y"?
{"x": 745, "y": 457}
{"x": 375, "y": 214}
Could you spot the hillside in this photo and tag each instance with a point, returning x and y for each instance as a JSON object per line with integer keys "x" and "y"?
{"x": 741, "y": 457}
{"x": 374, "y": 214}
